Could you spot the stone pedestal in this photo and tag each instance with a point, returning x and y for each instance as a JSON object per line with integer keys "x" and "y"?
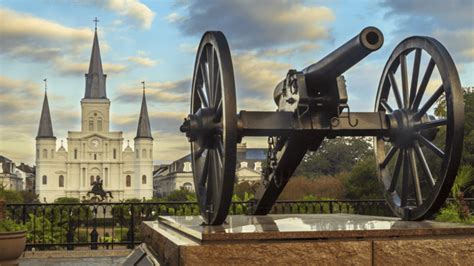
{"x": 309, "y": 239}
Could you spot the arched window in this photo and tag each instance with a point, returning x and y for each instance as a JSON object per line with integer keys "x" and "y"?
{"x": 143, "y": 153}
{"x": 128, "y": 181}
{"x": 91, "y": 180}
{"x": 45, "y": 153}
{"x": 37, "y": 154}
{"x": 52, "y": 153}
{"x": 91, "y": 124}
{"x": 115, "y": 153}
{"x": 61, "y": 181}
{"x": 143, "y": 179}
{"x": 99, "y": 124}
{"x": 136, "y": 153}
{"x": 188, "y": 186}
{"x": 151, "y": 153}
{"x": 95, "y": 156}
{"x": 75, "y": 153}
{"x": 45, "y": 180}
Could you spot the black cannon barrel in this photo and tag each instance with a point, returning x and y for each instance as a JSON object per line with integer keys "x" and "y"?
{"x": 340, "y": 60}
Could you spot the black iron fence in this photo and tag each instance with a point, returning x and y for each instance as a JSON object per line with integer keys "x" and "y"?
{"x": 108, "y": 225}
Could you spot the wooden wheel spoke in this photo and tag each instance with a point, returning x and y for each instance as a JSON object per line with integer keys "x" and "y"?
{"x": 386, "y": 106}
{"x": 423, "y": 84}
{"x": 430, "y": 102}
{"x": 202, "y": 96}
{"x": 414, "y": 76}
{"x": 396, "y": 172}
{"x": 430, "y": 146}
{"x": 404, "y": 196}
{"x": 396, "y": 92}
{"x": 404, "y": 73}
{"x": 217, "y": 88}
{"x": 389, "y": 156}
{"x": 218, "y": 114}
{"x": 211, "y": 73}
{"x": 432, "y": 123}
{"x": 416, "y": 178}
{"x": 205, "y": 78}
{"x": 424, "y": 164}
{"x": 205, "y": 170}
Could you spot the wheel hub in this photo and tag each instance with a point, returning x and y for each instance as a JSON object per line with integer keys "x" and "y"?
{"x": 202, "y": 124}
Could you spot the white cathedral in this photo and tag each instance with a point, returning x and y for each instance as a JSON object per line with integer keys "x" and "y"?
{"x": 95, "y": 151}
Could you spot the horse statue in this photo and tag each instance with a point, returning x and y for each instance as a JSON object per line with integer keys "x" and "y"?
{"x": 98, "y": 190}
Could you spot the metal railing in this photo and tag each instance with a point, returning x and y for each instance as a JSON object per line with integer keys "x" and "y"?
{"x": 107, "y": 225}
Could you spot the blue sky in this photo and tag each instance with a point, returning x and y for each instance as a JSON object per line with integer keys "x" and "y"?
{"x": 155, "y": 41}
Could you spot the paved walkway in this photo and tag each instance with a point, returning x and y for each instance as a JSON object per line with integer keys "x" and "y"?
{"x": 74, "y": 257}
{"x": 96, "y": 261}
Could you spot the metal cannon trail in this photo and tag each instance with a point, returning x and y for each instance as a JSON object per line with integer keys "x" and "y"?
{"x": 417, "y": 153}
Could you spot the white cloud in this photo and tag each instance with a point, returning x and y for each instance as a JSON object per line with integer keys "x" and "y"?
{"x": 143, "y": 61}
{"x": 135, "y": 10}
{"x": 25, "y": 35}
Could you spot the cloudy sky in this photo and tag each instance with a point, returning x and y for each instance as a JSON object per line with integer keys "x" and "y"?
{"x": 156, "y": 41}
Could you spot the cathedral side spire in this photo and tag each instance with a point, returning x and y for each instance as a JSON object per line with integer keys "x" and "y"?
{"x": 144, "y": 129}
{"x": 45, "y": 129}
{"x": 95, "y": 78}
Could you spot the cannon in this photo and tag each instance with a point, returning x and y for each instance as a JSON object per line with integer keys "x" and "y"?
{"x": 416, "y": 125}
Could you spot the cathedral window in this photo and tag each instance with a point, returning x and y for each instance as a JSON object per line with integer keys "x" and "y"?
{"x": 95, "y": 156}
{"x": 99, "y": 124}
{"x": 128, "y": 181}
{"x": 143, "y": 179}
{"x": 91, "y": 180}
{"x": 61, "y": 181}
{"x": 45, "y": 153}
{"x": 37, "y": 154}
{"x": 45, "y": 180}
{"x": 143, "y": 153}
{"x": 52, "y": 153}
{"x": 115, "y": 153}
{"x": 151, "y": 154}
{"x": 75, "y": 153}
{"x": 136, "y": 153}
{"x": 91, "y": 124}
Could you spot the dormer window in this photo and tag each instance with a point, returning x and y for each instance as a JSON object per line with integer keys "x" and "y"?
{"x": 258, "y": 166}
{"x": 243, "y": 164}
{"x": 187, "y": 167}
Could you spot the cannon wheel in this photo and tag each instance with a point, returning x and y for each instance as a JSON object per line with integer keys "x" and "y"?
{"x": 214, "y": 155}
{"x": 418, "y": 162}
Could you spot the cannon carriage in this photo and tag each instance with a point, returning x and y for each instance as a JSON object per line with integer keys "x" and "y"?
{"x": 417, "y": 153}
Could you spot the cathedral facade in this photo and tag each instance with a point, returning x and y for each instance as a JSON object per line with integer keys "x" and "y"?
{"x": 94, "y": 153}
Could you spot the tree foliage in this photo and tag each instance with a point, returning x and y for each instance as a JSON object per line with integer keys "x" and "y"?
{"x": 334, "y": 156}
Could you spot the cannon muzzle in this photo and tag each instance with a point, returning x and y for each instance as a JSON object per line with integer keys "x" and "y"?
{"x": 340, "y": 60}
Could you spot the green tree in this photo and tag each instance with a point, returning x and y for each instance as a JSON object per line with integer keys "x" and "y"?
{"x": 362, "y": 181}
{"x": 334, "y": 156}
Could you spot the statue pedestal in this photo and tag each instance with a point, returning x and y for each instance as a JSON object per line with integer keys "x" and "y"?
{"x": 309, "y": 239}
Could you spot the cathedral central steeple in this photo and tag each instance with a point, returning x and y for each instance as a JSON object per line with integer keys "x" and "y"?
{"x": 95, "y": 78}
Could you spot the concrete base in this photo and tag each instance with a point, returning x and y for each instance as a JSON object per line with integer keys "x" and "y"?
{"x": 309, "y": 239}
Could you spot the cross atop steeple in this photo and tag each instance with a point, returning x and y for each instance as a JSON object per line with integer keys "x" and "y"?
{"x": 96, "y": 20}
{"x": 45, "y": 85}
{"x": 143, "y": 82}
